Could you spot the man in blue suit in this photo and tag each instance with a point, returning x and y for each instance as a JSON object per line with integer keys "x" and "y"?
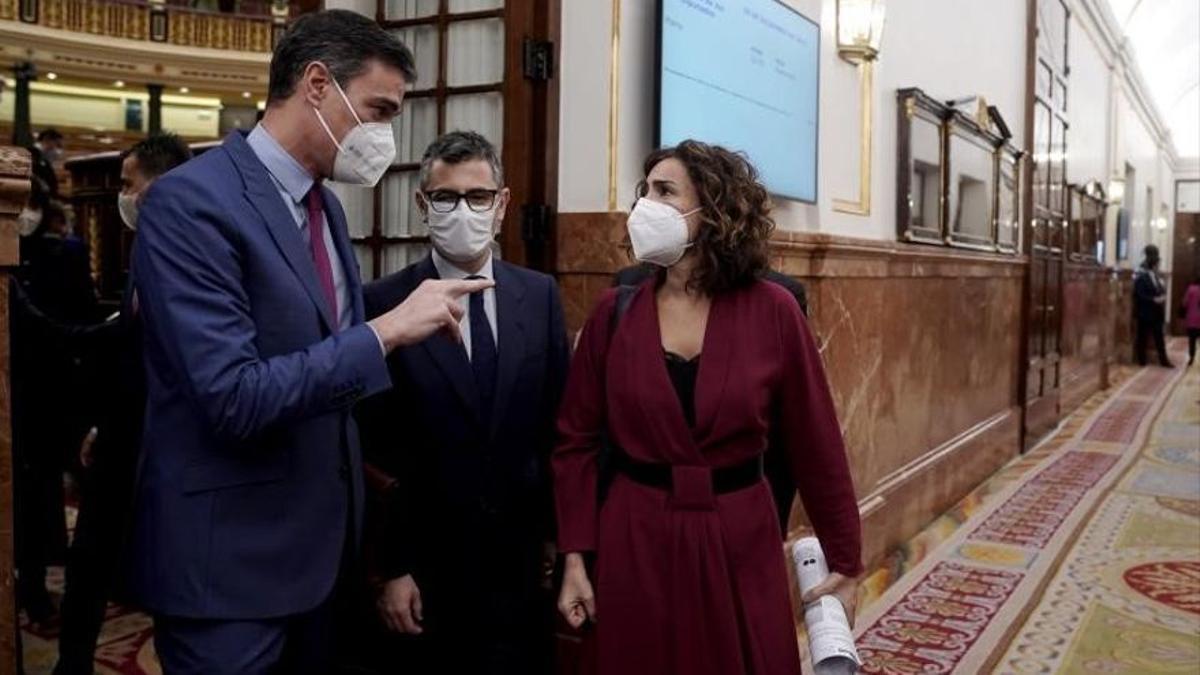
{"x": 249, "y": 489}
{"x": 467, "y": 432}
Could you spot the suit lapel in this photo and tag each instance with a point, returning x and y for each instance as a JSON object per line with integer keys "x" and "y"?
{"x": 281, "y": 224}
{"x": 450, "y": 356}
{"x": 510, "y": 296}
{"x": 345, "y": 251}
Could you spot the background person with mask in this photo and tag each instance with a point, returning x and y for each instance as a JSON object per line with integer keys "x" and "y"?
{"x": 250, "y": 488}
{"x": 46, "y": 153}
{"x": 53, "y": 284}
{"x": 707, "y": 363}
{"x": 1150, "y": 308}
{"x": 467, "y": 432}
{"x": 112, "y": 355}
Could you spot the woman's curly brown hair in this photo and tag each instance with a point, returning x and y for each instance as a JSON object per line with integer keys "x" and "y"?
{"x": 735, "y": 215}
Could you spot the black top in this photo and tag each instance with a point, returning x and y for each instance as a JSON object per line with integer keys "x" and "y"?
{"x": 683, "y": 375}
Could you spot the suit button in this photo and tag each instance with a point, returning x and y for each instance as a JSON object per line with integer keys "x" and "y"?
{"x": 344, "y": 472}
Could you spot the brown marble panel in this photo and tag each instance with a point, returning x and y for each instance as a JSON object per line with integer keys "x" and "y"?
{"x": 591, "y": 242}
{"x": 930, "y": 486}
{"x": 1085, "y": 316}
{"x": 579, "y": 294}
{"x": 14, "y": 189}
{"x": 1121, "y": 319}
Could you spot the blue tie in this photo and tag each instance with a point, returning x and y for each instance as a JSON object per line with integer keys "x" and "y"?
{"x": 483, "y": 354}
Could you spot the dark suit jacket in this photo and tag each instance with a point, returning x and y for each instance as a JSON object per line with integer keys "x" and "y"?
{"x": 249, "y": 485}
{"x": 1144, "y": 293}
{"x": 45, "y": 180}
{"x": 465, "y": 487}
{"x": 783, "y": 486}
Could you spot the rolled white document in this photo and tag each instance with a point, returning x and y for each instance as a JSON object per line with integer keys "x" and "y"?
{"x": 830, "y": 642}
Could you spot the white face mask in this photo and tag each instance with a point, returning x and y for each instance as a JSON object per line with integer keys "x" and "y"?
{"x": 128, "y": 207}
{"x": 28, "y": 221}
{"x": 461, "y": 235}
{"x": 365, "y": 153}
{"x": 658, "y": 232}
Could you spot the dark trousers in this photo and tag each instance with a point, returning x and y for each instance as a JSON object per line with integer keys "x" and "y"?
{"x": 93, "y": 568}
{"x": 492, "y": 617}
{"x": 40, "y": 531}
{"x": 1154, "y": 330}
{"x": 299, "y": 644}
{"x": 310, "y": 643}
{"x": 1193, "y": 335}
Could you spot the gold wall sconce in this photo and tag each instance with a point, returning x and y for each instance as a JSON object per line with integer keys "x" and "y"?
{"x": 859, "y": 32}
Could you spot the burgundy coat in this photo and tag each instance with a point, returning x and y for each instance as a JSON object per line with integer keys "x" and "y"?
{"x": 689, "y": 582}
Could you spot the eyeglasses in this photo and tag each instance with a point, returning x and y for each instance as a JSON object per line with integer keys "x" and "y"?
{"x": 445, "y": 201}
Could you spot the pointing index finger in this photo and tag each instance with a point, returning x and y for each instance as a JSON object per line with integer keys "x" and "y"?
{"x": 462, "y": 287}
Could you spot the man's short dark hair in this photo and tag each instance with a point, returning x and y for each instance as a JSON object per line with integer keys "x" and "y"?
{"x": 344, "y": 41}
{"x": 50, "y": 134}
{"x": 158, "y": 153}
{"x": 461, "y": 146}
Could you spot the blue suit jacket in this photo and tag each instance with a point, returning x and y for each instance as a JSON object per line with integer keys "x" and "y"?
{"x": 467, "y": 478}
{"x": 249, "y": 486}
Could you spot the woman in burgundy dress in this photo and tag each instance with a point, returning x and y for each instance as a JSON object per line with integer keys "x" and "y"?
{"x": 683, "y": 388}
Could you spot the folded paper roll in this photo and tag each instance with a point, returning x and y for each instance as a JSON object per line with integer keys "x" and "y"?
{"x": 830, "y": 642}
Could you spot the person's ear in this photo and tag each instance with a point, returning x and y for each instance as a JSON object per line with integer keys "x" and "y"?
{"x": 501, "y": 209}
{"x": 315, "y": 82}
{"x": 422, "y": 205}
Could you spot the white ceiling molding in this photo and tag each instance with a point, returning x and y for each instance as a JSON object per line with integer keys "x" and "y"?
{"x": 1098, "y": 18}
{"x": 1160, "y": 41}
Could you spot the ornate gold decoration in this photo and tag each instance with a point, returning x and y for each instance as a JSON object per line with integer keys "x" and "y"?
{"x": 862, "y": 207}
{"x": 186, "y": 27}
{"x": 614, "y": 103}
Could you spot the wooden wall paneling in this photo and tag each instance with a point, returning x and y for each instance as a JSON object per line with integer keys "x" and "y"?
{"x": 14, "y": 190}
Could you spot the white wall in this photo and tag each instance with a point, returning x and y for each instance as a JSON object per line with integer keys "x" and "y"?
{"x": 1088, "y": 110}
{"x": 949, "y": 48}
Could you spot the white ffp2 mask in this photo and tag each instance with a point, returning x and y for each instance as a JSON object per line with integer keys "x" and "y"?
{"x": 461, "y": 235}
{"x": 365, "y": 153}
{"x": 658, "y": 232}
{"x": 28, "y": 221}
{"x": 128, "y": 208}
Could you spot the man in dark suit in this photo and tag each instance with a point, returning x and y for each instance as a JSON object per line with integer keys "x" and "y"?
{"x": 249, "y": 488}
{"x": 55, "y": 283}
{"x": 783, "y": 486}
{"x": 1149, "y": 306}
{"x": 467, "y": 432}
{"x": 46, "y": 153}
{"x": 112, "y": 353}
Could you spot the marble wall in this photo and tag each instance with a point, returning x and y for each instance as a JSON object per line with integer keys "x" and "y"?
{"x": 920, "y": 345}
{"x": 1085, "y": 335}
{"x": 14, "y": 189}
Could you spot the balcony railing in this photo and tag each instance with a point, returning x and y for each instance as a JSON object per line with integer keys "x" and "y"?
{"x": 256, "y": 29}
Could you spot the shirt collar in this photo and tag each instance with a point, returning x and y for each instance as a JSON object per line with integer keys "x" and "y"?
{"x": 292, "y": 177}
{"x": 448, "y": 270}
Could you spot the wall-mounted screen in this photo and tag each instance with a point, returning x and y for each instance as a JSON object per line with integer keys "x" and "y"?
{"x": 743, "y": 74}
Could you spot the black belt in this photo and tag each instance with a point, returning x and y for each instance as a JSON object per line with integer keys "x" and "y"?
{"x": 724, "y": 479}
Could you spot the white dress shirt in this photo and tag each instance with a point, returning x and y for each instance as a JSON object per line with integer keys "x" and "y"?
{"x": 448, "y": 270}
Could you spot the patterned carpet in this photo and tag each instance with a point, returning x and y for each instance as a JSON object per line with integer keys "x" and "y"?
{"x": 125, "y": 646}
{"x": 1082, "y": 556}
{"x": 1069, "y": 561}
